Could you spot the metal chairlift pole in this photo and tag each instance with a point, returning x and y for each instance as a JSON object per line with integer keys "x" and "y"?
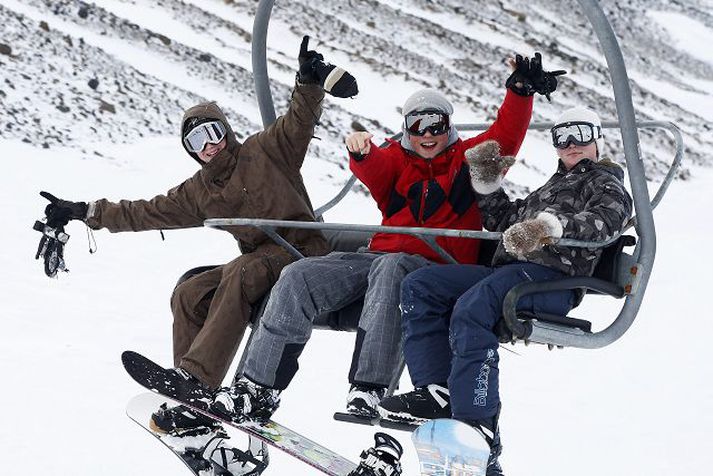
{"x": 646, "y": 247}
{"x": 259, "y": 60}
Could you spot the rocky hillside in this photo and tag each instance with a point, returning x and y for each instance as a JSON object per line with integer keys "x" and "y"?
{"x": 77, "y": 74}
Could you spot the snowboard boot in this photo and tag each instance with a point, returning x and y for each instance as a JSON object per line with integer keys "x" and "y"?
{"x": 181, "y": 420}
{"x": 246, "y": 400}
{"x": 418, "y": 406}
{"x": 381, "y": 460}
{"x": 488, "y": 427}
{"x": 363, "y": 400}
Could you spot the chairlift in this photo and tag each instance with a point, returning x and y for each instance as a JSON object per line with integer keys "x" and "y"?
{"x": 619, "y": 274}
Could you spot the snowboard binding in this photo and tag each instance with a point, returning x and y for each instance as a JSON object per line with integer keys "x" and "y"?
{"x": 382, "y": 459}
{"x": 51, "y": 247}
{"x": 232, "y": 461}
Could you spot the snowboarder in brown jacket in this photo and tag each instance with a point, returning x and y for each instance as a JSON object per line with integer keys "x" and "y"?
{"x": 259, "y": 178}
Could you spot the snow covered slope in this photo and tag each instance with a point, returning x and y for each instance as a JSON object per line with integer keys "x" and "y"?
{"x": 642, "y": 406}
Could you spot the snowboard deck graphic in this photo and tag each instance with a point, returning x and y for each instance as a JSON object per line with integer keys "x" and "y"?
{"x": 160, "y": 380}
{"x": 446, "y": 446}
{"x": 208, "y": 453}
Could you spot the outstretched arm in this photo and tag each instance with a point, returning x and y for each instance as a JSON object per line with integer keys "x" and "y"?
{"x": 177, "y": 209}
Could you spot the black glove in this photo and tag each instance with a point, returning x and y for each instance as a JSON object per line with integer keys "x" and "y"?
{"x": 59, "y": 211}
{"x": 313, "y": 70}
{"x": 529, "y": 77}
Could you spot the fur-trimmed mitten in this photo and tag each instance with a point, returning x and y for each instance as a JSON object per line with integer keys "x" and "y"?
{"x": 529, "y": 235}
{"x": 487, "y": 166}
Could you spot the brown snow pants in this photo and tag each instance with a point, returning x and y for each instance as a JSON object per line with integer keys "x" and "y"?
{"x": 212, "y": 309}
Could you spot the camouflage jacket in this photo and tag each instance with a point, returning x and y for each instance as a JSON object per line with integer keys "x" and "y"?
{"x": 589, "y": 200}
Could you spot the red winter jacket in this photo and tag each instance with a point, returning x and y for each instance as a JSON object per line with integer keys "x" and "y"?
{"x": 436, "y": 193}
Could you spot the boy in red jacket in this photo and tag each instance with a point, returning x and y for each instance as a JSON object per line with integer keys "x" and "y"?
{"x": 421, "y": 181}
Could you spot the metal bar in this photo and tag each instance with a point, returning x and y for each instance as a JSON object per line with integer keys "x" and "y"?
{"x": 431, "y": 241}
{"x": 338, "y": 198}
{"x": 646, "y": 246}
{"x": 259, "y": 61}
{"x": 414, "y": 231}
{"x": 270, "y": 231}
{"x": 523, "y": 289}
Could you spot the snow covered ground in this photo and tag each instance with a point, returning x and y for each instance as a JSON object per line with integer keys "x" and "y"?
{"x": 642, "y": 406}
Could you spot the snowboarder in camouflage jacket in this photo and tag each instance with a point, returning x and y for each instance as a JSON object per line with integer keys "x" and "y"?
{"x": 449, "y": 312}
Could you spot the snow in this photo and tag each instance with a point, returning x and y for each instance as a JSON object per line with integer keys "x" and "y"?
{"x": 643, "y": 405}
{"x": 686, "y": 31}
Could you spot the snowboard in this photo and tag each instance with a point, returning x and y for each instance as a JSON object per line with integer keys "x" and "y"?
{"x": 165, "y": 382}
{"x": 205, "y": 452}
{"x": 446, "y": 446}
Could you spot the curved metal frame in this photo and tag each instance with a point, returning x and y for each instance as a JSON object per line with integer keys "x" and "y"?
{"x": 646, "y": 247}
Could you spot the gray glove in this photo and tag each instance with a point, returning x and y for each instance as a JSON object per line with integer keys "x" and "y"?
{"x": 530, "y": 235}
{"x": 487, "y": 166}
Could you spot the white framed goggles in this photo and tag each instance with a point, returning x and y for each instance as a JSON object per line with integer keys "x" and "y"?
{"x": 203, "y": 134}
{"x": 576, "y": 132}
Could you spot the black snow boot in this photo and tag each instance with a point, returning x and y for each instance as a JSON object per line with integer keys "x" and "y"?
{"x": 420, "y": 405}
{"x": 246, "y": 400}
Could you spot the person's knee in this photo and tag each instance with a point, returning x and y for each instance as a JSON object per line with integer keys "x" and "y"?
{"x": 390, "y": 263}
{"x": 294, "y": 274}
{"x": 179, "y": 298}
{"x": 416, "y": 282}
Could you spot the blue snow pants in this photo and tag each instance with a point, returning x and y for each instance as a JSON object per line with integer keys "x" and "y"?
{"x": 448, "y": 315}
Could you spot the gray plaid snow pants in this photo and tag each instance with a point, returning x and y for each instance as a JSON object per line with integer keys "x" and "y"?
{"x": 312, "y": 286}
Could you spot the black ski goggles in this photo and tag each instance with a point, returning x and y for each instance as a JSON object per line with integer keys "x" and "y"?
{"x": 418, "y": 123}
{"x": 203, "y": 134}
{"x": 577, "y": 133}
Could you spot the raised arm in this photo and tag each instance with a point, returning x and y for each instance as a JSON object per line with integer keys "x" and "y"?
{"x": 288, "y": 138}
{"x": 527, "y": 78}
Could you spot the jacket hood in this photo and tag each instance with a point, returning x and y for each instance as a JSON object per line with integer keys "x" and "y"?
{"x": 209, "y": 110}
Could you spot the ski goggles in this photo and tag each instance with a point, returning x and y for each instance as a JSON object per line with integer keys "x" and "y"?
{"x": 418, "y": 123}
{"x": 578, "y": 133}
{"x": 203, "y": 134}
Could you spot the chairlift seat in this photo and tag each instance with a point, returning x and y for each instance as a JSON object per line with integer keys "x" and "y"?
{"x": 609, "y": 278}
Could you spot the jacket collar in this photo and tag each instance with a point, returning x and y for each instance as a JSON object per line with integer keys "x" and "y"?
{"x": 586, "y": 165}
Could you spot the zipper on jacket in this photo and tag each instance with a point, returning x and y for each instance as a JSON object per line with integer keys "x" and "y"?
{"x": 424, "y": 195}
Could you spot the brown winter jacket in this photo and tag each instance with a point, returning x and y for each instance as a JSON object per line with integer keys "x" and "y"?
{"x": 257, "y": 179}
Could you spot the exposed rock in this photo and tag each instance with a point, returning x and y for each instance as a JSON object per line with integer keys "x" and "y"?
{"x": 106, "y": 107}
